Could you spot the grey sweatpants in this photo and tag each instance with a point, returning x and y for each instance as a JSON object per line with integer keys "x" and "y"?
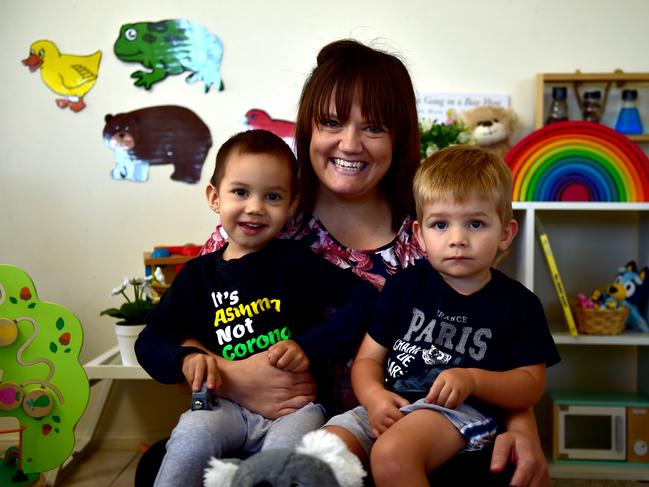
{"x": 199, "y": 435}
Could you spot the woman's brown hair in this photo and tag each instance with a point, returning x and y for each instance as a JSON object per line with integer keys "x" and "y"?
{"x": 348, "y": 69}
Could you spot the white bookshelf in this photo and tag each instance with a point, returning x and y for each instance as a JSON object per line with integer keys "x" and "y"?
{"x": 589, "y": 242}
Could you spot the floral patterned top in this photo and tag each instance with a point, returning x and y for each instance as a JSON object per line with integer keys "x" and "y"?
{"x": 374, "y": 266}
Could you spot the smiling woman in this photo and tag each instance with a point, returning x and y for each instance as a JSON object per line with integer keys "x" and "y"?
{"x": 357, "y": 144}
{"x": 357, "y": 139}
{"x": 350, "y": 157}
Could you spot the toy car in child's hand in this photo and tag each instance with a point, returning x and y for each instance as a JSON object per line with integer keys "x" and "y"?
{"x": 204, "y": 399}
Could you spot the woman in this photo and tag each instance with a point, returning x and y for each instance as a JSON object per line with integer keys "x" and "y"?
{"x": 358, "y": 148}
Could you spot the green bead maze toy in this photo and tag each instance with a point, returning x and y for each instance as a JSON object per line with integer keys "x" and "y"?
{"x": 42, "y": 384}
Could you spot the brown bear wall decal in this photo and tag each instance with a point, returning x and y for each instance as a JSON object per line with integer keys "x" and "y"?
{"x": 167, "y": 134}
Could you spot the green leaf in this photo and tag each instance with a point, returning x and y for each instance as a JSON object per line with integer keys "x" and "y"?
{"x": 31, "y": 305}
{"x": 56, "y": 419}
{"x": 53, "y": 347}
{"x": 133, "y": 313}
{"x": 60, "y": 323}
{"x": 114, "y": 312}
{"x": 67, "y": 350}
{"x": 13, "y": 300}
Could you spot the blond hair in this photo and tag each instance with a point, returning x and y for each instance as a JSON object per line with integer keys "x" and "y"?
{"x": 461, "y": 172}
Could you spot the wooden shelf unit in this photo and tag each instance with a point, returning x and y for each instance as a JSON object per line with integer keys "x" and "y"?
{"x": 168, "y": 265}
{"x": 590, "y": 241}
{"x": 576, "y": 80}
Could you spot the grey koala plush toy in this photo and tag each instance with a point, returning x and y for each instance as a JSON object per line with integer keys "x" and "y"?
{"x": 320, "y": 460}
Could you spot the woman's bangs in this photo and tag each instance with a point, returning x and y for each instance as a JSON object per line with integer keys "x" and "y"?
{"x": 378, "y": 105}
{"x": 375, "y": 102}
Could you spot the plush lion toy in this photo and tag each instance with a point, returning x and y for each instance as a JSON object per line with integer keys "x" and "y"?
{"x": 491, "y": 127}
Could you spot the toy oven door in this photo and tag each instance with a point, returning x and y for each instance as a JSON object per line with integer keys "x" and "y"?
{"x": 591, "y": 432}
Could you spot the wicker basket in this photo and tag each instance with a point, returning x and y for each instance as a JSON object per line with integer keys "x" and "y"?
{"x": 592, "y": 321}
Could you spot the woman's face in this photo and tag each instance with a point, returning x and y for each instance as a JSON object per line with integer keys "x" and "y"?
{"x": 351, "y": 158}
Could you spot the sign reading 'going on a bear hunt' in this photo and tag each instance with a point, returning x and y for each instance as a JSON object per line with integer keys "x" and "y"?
{"x": 446, "y": 106}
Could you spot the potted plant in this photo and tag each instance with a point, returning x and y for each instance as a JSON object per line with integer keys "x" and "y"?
{"x": 434, "y": 135}
{"x": 131, "y": 314}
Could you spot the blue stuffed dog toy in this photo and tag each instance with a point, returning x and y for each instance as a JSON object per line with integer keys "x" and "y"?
{"x": 636, "y": 290}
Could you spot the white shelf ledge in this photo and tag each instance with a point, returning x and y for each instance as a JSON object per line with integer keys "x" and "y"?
{"x": 580, "y": 205}
{"x": 109, "y": 365}
{"x": 609, "y": 470}
{"x": 626, "y": 338}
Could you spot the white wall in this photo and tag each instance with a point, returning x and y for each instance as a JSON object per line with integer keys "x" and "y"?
{"x": 77, "y": 232}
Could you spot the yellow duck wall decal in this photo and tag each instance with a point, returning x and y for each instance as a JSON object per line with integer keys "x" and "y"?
{"x": 68, "y": 75}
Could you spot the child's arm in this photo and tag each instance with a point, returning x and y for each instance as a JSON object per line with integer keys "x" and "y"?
{"x": 518, "y": 388}
{"x": 367, "y": 381}
{"x": 288, "y": 355}
{"x": 159, "y": 347}
{"x": 344, "y": 301}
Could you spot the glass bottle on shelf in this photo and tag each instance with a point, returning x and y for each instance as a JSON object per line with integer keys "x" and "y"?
{"x": 558, "y": 107}
{"x": 591, "y": 106}
{"x": 628, "y": 121}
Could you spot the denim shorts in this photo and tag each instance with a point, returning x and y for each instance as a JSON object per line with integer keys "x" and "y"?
{"x": 477, "y": 429}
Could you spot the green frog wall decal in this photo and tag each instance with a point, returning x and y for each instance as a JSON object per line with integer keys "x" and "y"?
{"x": 171, "y": 47}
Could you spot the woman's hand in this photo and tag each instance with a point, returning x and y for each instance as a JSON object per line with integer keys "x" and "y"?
{"x": 520, "y": 445}
{"x": 258, "y": 386}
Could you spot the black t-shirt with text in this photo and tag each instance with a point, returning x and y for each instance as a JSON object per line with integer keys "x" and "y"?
{"x": 427, "y": 327}
{"x": 240, "y": 307}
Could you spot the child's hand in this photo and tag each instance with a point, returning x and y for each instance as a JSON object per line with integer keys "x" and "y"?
{"x": 200, "y": 367}
{"x": 383, "y": 412}
{"x": 289, "y": 356}
{"x": 451, "y": 388}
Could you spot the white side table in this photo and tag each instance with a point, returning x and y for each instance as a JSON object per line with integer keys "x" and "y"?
{"x": 101, "y": 372}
